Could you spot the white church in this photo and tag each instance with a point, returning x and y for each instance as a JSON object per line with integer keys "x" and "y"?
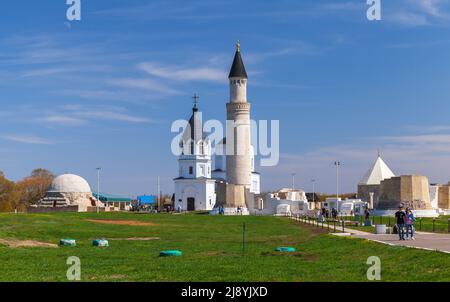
{"x": 197, "y": 183}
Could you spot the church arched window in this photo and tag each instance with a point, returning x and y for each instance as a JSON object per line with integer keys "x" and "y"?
{"x": 202, "y": 148}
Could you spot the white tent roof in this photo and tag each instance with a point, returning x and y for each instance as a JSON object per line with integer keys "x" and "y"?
{"x": 377, "y": 173}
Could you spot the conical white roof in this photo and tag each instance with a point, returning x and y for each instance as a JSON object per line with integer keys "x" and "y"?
{"x": 377, "y": 173}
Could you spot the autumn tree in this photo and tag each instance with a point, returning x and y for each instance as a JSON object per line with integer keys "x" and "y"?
{"x": 34, "y": 187}
{"x": 8, "y": 195}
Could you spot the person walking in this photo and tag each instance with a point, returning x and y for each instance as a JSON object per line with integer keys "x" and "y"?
{"x": 400, "y": 217}
{"x": 410, "y": 219}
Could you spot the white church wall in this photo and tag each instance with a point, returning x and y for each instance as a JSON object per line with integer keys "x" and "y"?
{"x": 202, "y": 190}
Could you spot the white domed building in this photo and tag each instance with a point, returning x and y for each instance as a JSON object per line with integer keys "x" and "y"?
{"x": 69, "y": 192}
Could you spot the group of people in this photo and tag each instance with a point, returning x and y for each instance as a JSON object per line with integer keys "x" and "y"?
{"x": 325, "y": 213}
{"x": 239, "y": 210}
{"x": 405, "y": 223}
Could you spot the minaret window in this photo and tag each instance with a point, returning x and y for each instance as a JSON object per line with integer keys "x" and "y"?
{"x": 191, "y": 170}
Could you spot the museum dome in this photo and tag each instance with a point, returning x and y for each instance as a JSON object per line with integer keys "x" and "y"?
{"x": 70, "y": 183}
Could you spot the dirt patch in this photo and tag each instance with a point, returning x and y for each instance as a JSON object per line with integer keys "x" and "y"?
{"x": 215, "y": 253}
{"x": 15, "y": 243}
{"x": 136, "y": 239}
{"x": 122, "y": 222}
{"x": 303, "y": 255}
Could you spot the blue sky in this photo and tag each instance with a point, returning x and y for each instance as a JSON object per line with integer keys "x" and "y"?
{"x": 104, "y": 91}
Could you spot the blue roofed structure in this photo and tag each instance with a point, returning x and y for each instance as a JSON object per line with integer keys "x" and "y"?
{"x": 146, "y": 200}
{"x": 111, "y": 198}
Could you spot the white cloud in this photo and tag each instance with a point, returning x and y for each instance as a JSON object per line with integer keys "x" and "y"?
{"x": 407, "y": 19}
{"x": 431, "y": 7}
{"x": 421, "y": 139}
{"x": 409, "y": 154}
{"x": 63, "y": 120}
{"x": 143, "y": 84}
{"x": 35, "y": 140}
{"x": 115, "y": 116}
{"x": 184, "y": 74}
{"x": 343, "y": 6}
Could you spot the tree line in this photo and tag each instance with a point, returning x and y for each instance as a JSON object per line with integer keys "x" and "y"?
{"x": 25, "y": 192}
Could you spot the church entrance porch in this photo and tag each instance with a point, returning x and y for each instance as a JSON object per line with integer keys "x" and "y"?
{"x": 191, "y": 204}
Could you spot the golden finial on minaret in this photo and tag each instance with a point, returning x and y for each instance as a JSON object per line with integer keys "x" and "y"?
{"x": 238, "y": 46}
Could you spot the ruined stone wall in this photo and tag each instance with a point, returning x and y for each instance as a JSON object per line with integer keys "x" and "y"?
{"x": 364, "y": 193}
{"x": 444, "y": 197}
{"x": 410, "y": 190}
{"x": 83, "y": 200}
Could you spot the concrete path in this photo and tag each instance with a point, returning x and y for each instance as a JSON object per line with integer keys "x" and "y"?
{"x": 427, "y": 241}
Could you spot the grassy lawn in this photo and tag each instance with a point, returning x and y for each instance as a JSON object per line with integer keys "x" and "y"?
{"x": 212, "y": 250}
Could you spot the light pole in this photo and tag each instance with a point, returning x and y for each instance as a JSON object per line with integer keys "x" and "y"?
{"x": 158, "y": 194}
{"x": 337, "y": 164}
{"x": 314, "y": 190}
{"x": 98, "y": 188}
{"x": 293, "y": 181}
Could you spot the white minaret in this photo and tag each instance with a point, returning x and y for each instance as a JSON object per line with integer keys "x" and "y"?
{"x": 238, "y": 150}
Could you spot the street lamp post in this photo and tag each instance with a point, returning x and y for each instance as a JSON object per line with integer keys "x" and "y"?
{"x": 293, "y": 181}
{"x": 98, "y": 188}
{"x": 314, "y": 190}
{"x": 337, "y": 164}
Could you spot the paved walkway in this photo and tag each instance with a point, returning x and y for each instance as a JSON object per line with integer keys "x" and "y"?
{"x": 427, "y": 241}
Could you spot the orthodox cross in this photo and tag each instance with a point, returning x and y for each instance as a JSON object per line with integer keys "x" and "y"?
{"x": 195, "y": 98}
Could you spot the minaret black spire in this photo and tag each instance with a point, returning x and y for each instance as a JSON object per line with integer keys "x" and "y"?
{"x": 238, "y": 68}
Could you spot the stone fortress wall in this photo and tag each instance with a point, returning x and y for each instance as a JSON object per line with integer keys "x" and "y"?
{"x": 410, "y": 190}
{"x": 444, "y": 196}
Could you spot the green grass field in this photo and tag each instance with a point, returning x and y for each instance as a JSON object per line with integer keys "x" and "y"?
{"x": 212, "y": 248}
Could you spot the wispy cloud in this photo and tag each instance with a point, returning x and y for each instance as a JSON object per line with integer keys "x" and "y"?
{"x": 35, "y": 140}
{"x": 421, "y": 139}
{"x": 423, "y": 154}
{"x": 79, "y": 115}
{"x": 418, "y": 12}
{"x": 114, "y": 116}
{"x": 343, "y": 6}
{"x": 143, "y": 84}
{"x": 176, "y": 73}
{"x": 63, "y": 120}
{"x": 431, "y": 7}
{"x": 407, "y": 18}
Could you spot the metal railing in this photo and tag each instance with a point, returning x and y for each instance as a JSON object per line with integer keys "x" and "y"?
{"x": 338, "y": 224}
